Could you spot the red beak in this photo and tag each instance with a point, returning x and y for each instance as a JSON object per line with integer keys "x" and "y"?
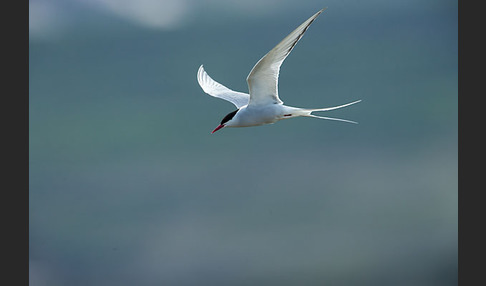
{"x": 217, "y": 128}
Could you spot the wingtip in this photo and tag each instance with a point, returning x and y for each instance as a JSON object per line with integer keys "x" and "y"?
{"x": 199, "y": 76}
{"x": 318, "y": 13}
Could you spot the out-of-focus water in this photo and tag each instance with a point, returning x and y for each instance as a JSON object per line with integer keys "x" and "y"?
{"x": 128, "y": 186}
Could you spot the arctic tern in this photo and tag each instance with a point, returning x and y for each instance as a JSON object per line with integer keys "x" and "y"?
{"x": 263, "y": 105}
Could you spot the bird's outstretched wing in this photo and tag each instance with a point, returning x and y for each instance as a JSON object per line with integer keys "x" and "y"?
{"x": 213, "y": 88}
{"x": 263, "y": 78}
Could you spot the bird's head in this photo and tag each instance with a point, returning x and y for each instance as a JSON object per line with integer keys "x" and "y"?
{"x": 227, "y": 121}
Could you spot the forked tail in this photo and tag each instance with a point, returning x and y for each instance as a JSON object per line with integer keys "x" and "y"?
{"x": 309, "y": 112}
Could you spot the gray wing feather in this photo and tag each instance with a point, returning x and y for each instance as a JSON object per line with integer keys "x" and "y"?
{"x": 263, "y": 78}
{"x": 213, "y": 88}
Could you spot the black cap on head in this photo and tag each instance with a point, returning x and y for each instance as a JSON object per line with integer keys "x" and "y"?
{"x": 228, "y": 117}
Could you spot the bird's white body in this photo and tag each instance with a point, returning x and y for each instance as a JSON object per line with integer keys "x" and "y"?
{"x": 263, "y": 105}
{"x": 261, "y": 114}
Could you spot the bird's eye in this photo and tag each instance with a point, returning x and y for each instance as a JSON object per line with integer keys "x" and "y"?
{"x": 228, "y": 117}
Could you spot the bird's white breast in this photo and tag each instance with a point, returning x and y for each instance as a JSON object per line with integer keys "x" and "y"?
{"x": 259, "y": 115}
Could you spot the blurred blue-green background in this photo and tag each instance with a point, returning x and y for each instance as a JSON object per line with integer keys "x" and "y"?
{"x": 128, "y": 186}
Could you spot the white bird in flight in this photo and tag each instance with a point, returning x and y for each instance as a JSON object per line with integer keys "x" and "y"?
{"x": 262, "y": 105}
